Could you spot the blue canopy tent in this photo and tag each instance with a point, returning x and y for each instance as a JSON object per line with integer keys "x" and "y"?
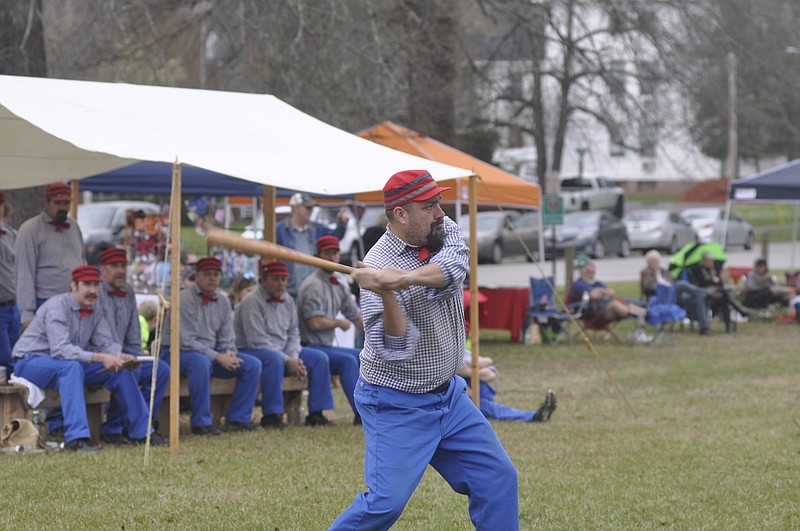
{"x": 780, "y": 184}
{"x": 156, "y": 178}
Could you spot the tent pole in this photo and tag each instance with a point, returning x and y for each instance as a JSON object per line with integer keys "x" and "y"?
{"x": 794, "y": 236}
{"x": 474, "y": 315}
{"x": 175, "y": 307}
{"x": 268, "y": 203}
{"x": 727, "y": 217}
{"x": 75, "y": 191}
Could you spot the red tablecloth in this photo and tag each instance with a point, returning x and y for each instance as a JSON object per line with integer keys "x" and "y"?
{"x": 504, "y": 309}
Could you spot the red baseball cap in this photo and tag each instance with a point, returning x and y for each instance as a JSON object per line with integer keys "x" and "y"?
{"x": 86, "y": 273}
{"x": 208, "y": 263}
{"x": 113, "y": 255}
{"x": 58, "y": 191}
{"x": 325, "y": 243}
{"x": 410, "y": 185}
{"x": 274, "y": 267}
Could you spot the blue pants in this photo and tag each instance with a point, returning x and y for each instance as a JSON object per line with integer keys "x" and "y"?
{"x": 405, "y": 432}
{"x": 9, "y": 333}
{"x": 273, "y": 369}
{"x": 144, "y": 377}
{"x": 693, "y": 298}
{"x": 69, "y": 377}
{"x": 497, "y": 411}
{"x": 344, "y": 362}
{"x": 199, "y": 369}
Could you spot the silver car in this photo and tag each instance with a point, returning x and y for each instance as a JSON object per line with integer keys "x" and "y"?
{"x": 709, "y": 222}
{"x": 489, "y": 228}
{"x": 658, "y": 229}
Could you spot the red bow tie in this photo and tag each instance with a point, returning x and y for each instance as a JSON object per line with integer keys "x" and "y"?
{"x": 118, "y": 293}
{"x": 59, "y": 225}
{"x": 274, "y": 299}
{"x": 423, "y": 253}
{"x": 334, "y": 280}
{"x": 2, "y": 232}
{"x": 85, "y": 312}
{"x": 207, "y": 299}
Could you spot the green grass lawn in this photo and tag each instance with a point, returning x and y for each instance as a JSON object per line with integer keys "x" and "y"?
{"x": 713, "y": 444}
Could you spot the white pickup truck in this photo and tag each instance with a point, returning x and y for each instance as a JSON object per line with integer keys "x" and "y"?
{"x": 592, "y": 192}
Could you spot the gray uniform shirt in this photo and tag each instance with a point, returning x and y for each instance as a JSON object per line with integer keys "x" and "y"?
{"x": 319, "y": 297}
{"x": 122, "y": 317}
{"x": 45, "y": 260}
{"x": 7, "y": 240}
{"x": 431, "y": 351}
{"x": 205, "y": 328}
{"x": 57, "y": 330}
{"x": 267, "y": 325}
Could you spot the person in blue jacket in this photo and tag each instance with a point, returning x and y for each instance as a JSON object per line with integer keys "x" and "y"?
{"x": 298, "y": 232}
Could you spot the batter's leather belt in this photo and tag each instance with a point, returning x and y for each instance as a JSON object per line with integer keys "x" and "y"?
{"x": 442, "y": 388}
{"x": 12, "y": 302}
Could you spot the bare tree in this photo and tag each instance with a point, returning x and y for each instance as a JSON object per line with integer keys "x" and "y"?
{"x": 22, "y": 53}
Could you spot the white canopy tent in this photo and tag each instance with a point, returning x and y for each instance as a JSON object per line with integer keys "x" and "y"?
{"x": 55, "y": 130}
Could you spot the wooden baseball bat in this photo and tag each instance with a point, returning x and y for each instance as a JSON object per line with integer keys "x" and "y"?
{"x": 232, "y": 240}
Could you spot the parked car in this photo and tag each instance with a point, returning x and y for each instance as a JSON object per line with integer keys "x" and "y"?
{"x": 658, "y": 229}
{"x": 708, "y": 223}
{"x": 104, "y": 222}
{"x": 526, "y": 227}
{"x": 591, "y": 192}
{"x": 490, "y": 226}
{"x": 594, "y": 232}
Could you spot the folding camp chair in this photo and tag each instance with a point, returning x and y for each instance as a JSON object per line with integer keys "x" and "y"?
{"x": 590, "y": 323}
{"x": 663, "y": 313}
{"x": 554, "y": 323}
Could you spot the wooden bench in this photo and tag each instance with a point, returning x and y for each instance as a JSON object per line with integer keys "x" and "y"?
{"x": 14, "y": 404}
{"x": 222, "y": 391}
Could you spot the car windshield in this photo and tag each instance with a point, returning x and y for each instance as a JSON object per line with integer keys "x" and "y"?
{"x": 576, "y": 182}
{"x": 581, "y": 219}
{"x": 646, "y": 215}
{"x": 487, "y": 221}
{"x": 700, "y": 213}
{"x": 95, "y": 216}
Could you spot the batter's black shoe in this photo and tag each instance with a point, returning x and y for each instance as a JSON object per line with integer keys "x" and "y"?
{"x": 237, "y": 426}
{"x": 318, "y": 419}
{"x": 205, "y": 430}
{"x": 117, "y": 439}
{"x": 546, "y": 409}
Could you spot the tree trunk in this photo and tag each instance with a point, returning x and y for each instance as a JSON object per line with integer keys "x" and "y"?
{"x": 22, "y": 53}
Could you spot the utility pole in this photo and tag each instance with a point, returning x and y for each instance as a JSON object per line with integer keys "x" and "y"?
{"x": 733, "y": 139}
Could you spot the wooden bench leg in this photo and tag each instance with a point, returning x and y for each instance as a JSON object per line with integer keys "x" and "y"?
{"x": 292, "y": 406}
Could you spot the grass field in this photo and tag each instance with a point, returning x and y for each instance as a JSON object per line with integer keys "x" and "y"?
{"x": 713, "y": 444}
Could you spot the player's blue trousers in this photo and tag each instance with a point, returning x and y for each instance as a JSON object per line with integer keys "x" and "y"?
{"x": 144, "y": 378}
{"x": 344, "y": 362}
{"x": 273, "y": 370}
{"x": 9, "y": 333}
{"x": 69, "y": 377}
{"x": 199, "y": 369}
{"x": 405, "y": 432}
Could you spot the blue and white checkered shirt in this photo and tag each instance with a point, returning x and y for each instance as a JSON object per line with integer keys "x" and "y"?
{"x": 205, "y": 328}
{"x": 433, "y": 348}
{"x": 267, "y": 325}
{"x": 122, "y": 317}
{"x": 57, "y": 330}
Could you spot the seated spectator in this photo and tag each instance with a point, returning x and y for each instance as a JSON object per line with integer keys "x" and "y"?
{"x": 208, "y": 349}
{"x": 148, "y": 315}
{"x": 68, "y": 346}
{"x": 761, "y": 289}
{"x": 487, "y": 373}
{"x": 690, "y": 297}
{"x": 322, "y": 296}
{"x": 243, "y": 283}
{"x": 602, "y": 300}
{"x": 267, "y": 328}
{"x": 706, "y": 274}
